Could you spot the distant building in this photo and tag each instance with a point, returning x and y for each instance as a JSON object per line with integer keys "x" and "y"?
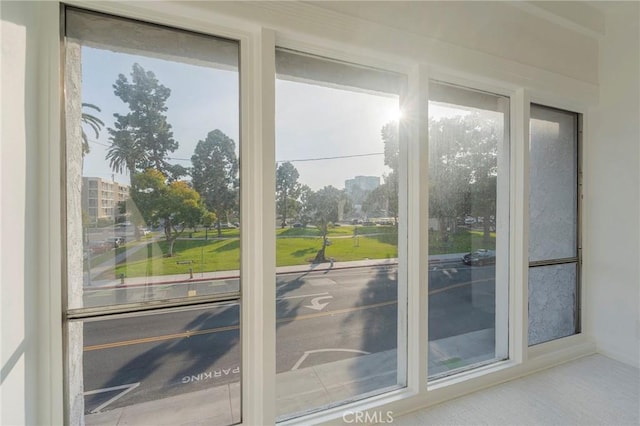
{"x": 361, "y": 183}
{"x": 100, "y": 198}
{"x": 357, "y": 189}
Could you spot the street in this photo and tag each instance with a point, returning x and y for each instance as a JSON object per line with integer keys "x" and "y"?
{"x": 322, "y": 316}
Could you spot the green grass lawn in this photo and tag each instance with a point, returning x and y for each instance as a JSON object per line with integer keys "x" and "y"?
{"x": 294, "y": 246}
{"x": 460, "y": 242}
{"x": 200, "y": 255}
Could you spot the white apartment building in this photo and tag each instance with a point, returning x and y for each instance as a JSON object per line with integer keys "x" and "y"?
{"x": 100, "y": 198}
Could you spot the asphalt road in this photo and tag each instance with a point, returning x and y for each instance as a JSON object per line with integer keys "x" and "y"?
{"x": 352, "y": 311}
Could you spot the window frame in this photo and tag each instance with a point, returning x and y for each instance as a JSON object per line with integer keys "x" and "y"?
{"x": 257, "y": 112}
{"x": 254, "y": 130}
{"x": 579, "y": 192}
{"x": 406, "y": 203}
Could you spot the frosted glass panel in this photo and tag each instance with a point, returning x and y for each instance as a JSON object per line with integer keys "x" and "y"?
{"x": 553, "y": 182}
{"x": 552, "y": 302}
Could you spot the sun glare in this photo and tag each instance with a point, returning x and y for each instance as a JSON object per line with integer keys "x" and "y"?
{"x": 395, "y": 114}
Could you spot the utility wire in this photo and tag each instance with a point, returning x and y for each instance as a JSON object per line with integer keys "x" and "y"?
{"x": 278, "y": 161}
{"x": 331, "y": 158}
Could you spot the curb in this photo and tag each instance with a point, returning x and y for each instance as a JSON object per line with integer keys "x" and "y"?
{"x": 237, "y": 275}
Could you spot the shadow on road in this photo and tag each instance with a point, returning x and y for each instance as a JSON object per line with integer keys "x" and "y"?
{"x": 169, "y": 353}
{"x": 375, "y": 316}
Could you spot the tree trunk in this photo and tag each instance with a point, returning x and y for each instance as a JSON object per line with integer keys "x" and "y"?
{"x": 171, "y": 243}
{"x": 320, "y": 257}
{"x": 283, "y": 213}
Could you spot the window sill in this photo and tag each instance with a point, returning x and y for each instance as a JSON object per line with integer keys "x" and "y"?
{"x": 403, "y": 401}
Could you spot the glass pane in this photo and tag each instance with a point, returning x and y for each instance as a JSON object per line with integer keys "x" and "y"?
{"x": 188, "y": 360}
{"x": 468, "y": 228}
{"x": 553, "y": 184}
{"x": 336, "y": 233}
{"x": 152, "y": 162}
{"x": 552, "y": 302}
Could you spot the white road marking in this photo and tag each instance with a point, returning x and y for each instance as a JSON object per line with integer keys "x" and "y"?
{"x": 301, "y": 296}
{"x": 320, "y": 281}
{"x": 307, "y": 353}
{"x": 128, "y": 388}
{"x": 316, "y": 305}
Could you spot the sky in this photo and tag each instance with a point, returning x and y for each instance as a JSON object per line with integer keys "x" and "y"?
{"x": 202, "y": 99}
{"x": 313, "y": 122}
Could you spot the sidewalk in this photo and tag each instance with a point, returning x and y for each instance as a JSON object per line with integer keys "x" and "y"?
{"x": 300, "y": 390}
{"x": 161, "y": 287}
{"x": 224, "y": 275}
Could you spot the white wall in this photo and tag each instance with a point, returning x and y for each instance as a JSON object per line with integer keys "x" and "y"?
{"x": 497, "y": 28}
{"x": 612, "y": 211}
{"x": 496, "y": 41}
{"x": 16, "y": 183}
{"x": 30, "y": 361}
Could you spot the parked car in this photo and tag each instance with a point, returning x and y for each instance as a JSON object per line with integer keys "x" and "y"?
{"x": 480, "y": 257}
{"x": 116, "y": 241}
{"x": 297, "y": 225}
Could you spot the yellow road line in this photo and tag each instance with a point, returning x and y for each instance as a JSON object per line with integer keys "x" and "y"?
{"x": 235, "y": 327}
{"x": 159, "y": 338}
{"x": 440, "y": 290}
{"x": 228, "y": 328}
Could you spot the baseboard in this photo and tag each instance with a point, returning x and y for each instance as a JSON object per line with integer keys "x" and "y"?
{"x": 618, "y": 356}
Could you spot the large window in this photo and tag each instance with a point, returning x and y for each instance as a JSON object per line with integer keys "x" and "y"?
{"x": 340, "y": 297}
{"x": 554, "y": 268}
{"x": 338, "y": 301}
{"x": 468, "y": 228}
{"x": 153, "y": 253}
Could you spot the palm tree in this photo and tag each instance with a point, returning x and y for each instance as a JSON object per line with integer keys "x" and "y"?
{"x": 92, "y": 121}
{"x": 124, "y": 153}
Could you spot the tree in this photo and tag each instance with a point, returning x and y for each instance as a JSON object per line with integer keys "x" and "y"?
{"x": 208, "y": 219}
{"x": 448, "y": 177}
{"x": 287, "y": 190}
{"x": 93, "y": 122}
{"x": 142, "y": 138}
{"x": 124, "y": 154}
{"x": 323, "y": 208}
{"x": 390, "y": 138}
{"x": 463, "y": 154}
{"x": 215, "y": 174}
{"x": 388, "y": 193}
{"x": 482, "y": 163}
{"x": 303, "y": 212}
{"x": 383, "y": 199}
{"x": 176, "y": 204}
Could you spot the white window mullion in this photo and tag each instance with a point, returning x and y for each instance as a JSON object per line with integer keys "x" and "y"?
{"x": 519, "y": 270}
{"x": 258, "y": 216}
{"x": 503, "y": 223}
{"x": 50, "y": 407}
{"x": 415, "y": 107}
